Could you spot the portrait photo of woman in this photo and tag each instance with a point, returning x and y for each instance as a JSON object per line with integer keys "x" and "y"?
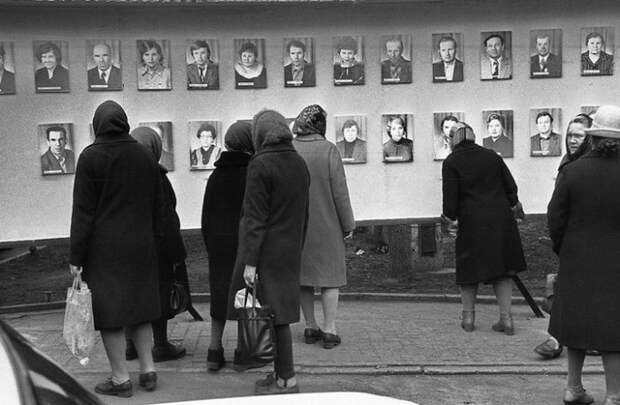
{"x": 499, "y": 132}
{"x": 351, "y": 138}
{"x": 51, "y": 69}
{"x": 348, "y": 61}
{"x": 153, "y": 62}
{"x": 205, "y": 146}
{"x": 397, "y": 135}
{"x": 597, "y": 47}
{"x": 250, "y": 72}
{"x": 444, "y": 121}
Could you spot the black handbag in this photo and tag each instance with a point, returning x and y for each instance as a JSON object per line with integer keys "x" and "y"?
{"x": 179, "y": 296}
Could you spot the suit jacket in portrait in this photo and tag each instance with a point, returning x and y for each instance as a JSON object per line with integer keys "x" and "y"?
{"x": 58, "y": 83}
{"x": 439, "y": 73}
{"x": 603, "y": 66}
{"x": 553, "y": 68}
{"x": 502, "y": 146}
{"x": 50, "y": 165}
{"x": 555, "y": 145}
{"x": 7, "y": 85}
{"x": 211, "y": 80}
{"x": 358, "y": 155}
{"x": 505, "y": 69}
{"x": 308, "y": 79}
{"x": 404, "y": 74}
{"x": 115, "y": 81}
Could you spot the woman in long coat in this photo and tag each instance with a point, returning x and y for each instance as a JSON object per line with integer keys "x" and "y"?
{"x": 114, "y": 227}
{"x": 330, "y": 219}
{"x": 221, "y": 211}
{"x": 271, "y": 236}
{"x": 479, "y": 192}
{"x": 584, "y": 225}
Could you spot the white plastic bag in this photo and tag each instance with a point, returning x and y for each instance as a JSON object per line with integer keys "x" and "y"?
{"x": 240, "y": 299}
{"x": 79, "y": 327}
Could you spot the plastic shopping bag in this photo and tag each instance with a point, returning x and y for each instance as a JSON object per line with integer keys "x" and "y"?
{"x": 79, "y": 327}
{"x": 245, "y": 299}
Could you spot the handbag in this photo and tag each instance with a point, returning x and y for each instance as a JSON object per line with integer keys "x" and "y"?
{"x": 179, "y": 296}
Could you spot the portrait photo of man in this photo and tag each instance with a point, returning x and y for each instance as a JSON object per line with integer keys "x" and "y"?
{"x": 597, "y": 47}
{"x": 348, "y": 61}
{"x": 7, "y": 69}
{"x": 495, "y": 59}
{"x": 103, "y": 66}
{"x": 205, "y": 144}
{"x": 298, "y": 66}
{"x": 396, "y": 59}
{"x": 51, "y": 75}
{"x": 202, "y": 65}
{"x": 546, "y": 140}
{"x": 164, "y": 130}
{"x": 351, "y": 138}
{"x": 447, "y": 65}
{"x": 499, "y": 132}
{"x": 57, "y": 154}
{"x": 546, "y": 53}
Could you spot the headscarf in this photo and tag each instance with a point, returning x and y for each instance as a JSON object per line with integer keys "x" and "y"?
{"x": 239, "y": 137}
{"x": 270, "y": 128}
{"x": 461, "y": 132}
{"x": 585, "y": 146}
{"x": 110, "y": 120}
{"x": 311, "y": 120}
{"x": 149, "y": 138}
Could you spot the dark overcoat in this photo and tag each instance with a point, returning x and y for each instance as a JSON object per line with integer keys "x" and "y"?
{"x": 479, "y": 191}
{"x": 221, "y": 212}
{"x": 584, "y": 225}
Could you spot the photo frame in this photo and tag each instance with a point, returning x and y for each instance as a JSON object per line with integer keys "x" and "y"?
{"x": 103, "y": 65}
{"x": 442, "y": 122}
{"x": 7, "y": 68}
{"x": 447, "y": 57}
{"x": 205, "y": 143}
{"x": 499, "y": 128}
{"x": 397, "y": 133}
{"x": 348, "y": 56}
{"x": 153, "y": 64}
{"x": 396, "y": 59}
{"x": 51, "y": 66}
{"x": 164, "y": 130}
{"x": 351, "y": 138}
{"x": 545, "y": 53}
{"x": 250, "y": 68}
{"x": 496, "y": 55}
{"x": 202, "y": 58}
{"x": 546, "y": 132}
{"x": 56, "y": 148}
{"x": 298, "y": 62}
{"x": 597, "y": 51}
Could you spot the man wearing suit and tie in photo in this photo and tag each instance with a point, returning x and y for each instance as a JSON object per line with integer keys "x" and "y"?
{"x": 104, "y": 76}
{"x": 544, "y": 63}
{"x": 7, "y": 79}
{"x": 545, "y": 142}
{"x": 449, "y": 68}
{"x": 203, "y": 73}
{"x": 57, "y": 159}
{"x": 395, "y": 69}
{"x": 298, "y": 73}
{"x": 494, "y": 64}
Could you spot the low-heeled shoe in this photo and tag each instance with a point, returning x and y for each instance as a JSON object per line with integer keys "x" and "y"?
{"x": 577, "y": 398}
{"x": 312, "y": 336}
{"x": 548, "y": 349}
{"x": 148, "y": 381}
{"x": 504, "y": 325}
{"x": 330, "y": 340}
{"x": 109, "y": 387}
{"x": 215, "y": 359}
{"x": 269, "y": 386}
{"x": 167, "y": 352}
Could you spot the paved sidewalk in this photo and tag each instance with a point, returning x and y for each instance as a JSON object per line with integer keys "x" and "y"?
{"x": 379, "y": 337}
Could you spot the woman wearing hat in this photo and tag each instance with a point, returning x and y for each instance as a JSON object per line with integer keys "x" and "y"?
{"x": 478, "y": 193}
{"x": 497, "y": 139}
{"x": 584, "y": 225}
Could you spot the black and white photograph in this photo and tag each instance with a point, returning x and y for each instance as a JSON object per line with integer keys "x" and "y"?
{"x": 597, "y": 51}
{"x": 299, "y": 60}
{"x": 496, "y": 55}
{"x": 546, "y": 132}
{"x": 447, "y": 57}
{"x": 351, "y": 138}
{"x": 348, "y": 60}
{"x": 164, "y": 131}
{"x": 103, "y": 65}
{"x": 250, "y": 70}
{"x": 545, "y": 53}
{"x": 153, "y": 68}
{"x": 499, "y": 132}
{"x": 7, "y": 68}
{"x": 205, "y": 141}
{"x": 56, "y": 148}
{"x": 51, "y": 66}
{"x": 397, "y": 137}
{"x": 396, "y": 59}
{"x": 443, "y": 122}
{"x": 203, "y": 64}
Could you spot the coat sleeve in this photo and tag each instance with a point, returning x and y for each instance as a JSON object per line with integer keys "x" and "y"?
{"x": 256, "y": 203}
{"x": 207, "y": 203}
{"x": 557, "y": 213}
{"x": 510, "y": 186}
{"x": 340, "y": 191}
{"x": 173, "y": 245}
{"x": 450, "y": 189}
{"x": 85, "y": 199}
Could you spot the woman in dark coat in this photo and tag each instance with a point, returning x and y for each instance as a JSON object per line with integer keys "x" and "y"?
{"x": 584, "y": 225}
{"x": 271, "y": 236}
{"x": 221, "y": 211}
{"x": 114, "y": 227}
{"x": 478, "y": 192}
{"x": 171, "y": 251}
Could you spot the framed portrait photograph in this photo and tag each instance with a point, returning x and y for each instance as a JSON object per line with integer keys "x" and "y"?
{"x": 447, "y": 57}
{"x": 351, "y": 138}
{"x": 298, "y": 61}
{"x": 51, "y": 66}
{"x": 56, "y": 148}
{"x": 496, "y": 55}
{"x": 396, "y": 59}
{"x": 103, "y": 65}
{"x": 164, "y": 130}
{"x": 7, "y": 68}
{"x": 153, "y": 65}
{"x": 202, "y": 58}
{"x": 250, "y": 70}
{"x": 589, "y": 109}
{"x": 597, "y": 51}
{"x": 348, "y": 60}
{"x": 397, "y": 133}
{"x": 205, "y": 143}
{"x": 442, "y": 123}
{"x": 499, "y": 132}
{"x": 545, "y": 132}
{"x": 545, "y": 53}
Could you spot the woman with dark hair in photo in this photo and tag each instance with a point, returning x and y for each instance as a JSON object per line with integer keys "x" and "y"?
{"x": 584, "y": 225}
{"x": 478, "y": 196}
{"x": 497, "y": 139}
{"x": 442, "y": 142}
{"x": 152, "y": 74}
{"x": 348, "y": 70}
{"x": 52, "y": 76}
{"x": 398, "y": 147}
{"x": 352, "y": 148}
{"x": 248, "y": 71}
{"x": 205, "y": 156}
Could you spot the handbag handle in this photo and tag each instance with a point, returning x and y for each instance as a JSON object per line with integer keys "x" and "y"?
{"x": 255, "y": 288}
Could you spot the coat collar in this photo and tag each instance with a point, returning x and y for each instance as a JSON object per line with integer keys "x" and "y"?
{"x": 233, "y": 159}
{"x": 113, "y": 139}
{"x": 280, "y": 147}
{"x": 310, "y": 138}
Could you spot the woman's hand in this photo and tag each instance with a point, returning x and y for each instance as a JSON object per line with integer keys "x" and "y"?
{"x": 75, "y": 270}
{"x": 249, "y": 274}
{"x": 348, "y": 235}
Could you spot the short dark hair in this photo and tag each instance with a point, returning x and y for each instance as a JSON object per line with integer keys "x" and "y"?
{"x": 544, "y": 114}
{"x": 501, "y": 39}
{"x": 297, "y": 44}
{"x": 595, "y": 35}
{"x": 496, "y": 116}
{"x": 448, "y": 118}
{"x": 446, "y": 38}
{"x": 248, "y": 47}
{"x": 582, "y": 118}
{"x": 347, "y": 43}
{"x": 208, "y": 128}
{"x": 196, "y": 45}
{"x": 349, "y": 124}
{"x": 402, "y": 122}
{"x": 148, "y": 44}
{"x": 56, "y": 128}
{"x": 49, "y": 47}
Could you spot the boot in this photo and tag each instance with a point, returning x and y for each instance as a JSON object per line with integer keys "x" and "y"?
{"x": 467, "y": 320}
{"x": 505, "y": 325}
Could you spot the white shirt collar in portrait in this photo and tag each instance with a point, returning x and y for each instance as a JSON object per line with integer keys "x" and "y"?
{"x": 448, "y": 68}
{"x": 107, "y": 73}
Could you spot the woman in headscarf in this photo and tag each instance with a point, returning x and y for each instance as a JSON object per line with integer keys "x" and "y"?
{"x": 271, "y": 237}
{"x": 330, "y": 221}
{"x": 584, "y": 225}
{"x": 171, "y": 251}
{"x": 221, "y": 211}
{"x": 114, "y": 227}
{"x": 478, "y": 194}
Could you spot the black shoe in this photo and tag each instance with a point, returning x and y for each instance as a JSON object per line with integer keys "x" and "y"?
{"x": 109, "y": 387}
{"x": 148, "y": 381}
{"x": 167, "y": 352}
{"x": 215, "y": 359}
{"x": 330, "y": 340}
{"x": 242, "y": 364}
{"x": 130, "y": 351}
{"x": 549, "y": 349}
{"x": 504, "y": 325}
{"x": 312, "y": 336}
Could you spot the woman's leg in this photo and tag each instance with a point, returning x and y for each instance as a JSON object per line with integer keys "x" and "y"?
{"x": 575, "y": 365}
{"x": 468, "y": 300}
{"x": 114, "y": 344}
{"x": 284, "y": 368}
{"x": 503, "y": 292}
{"x": 611, "y": 364}
{"x": 217, "y": 331}
{"x": 329, "y": 298}
{"x": 306, "y": 297}
{"x": 143, "y": 339}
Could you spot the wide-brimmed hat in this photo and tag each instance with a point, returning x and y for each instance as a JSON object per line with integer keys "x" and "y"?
{"x": 606, "y": 122}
